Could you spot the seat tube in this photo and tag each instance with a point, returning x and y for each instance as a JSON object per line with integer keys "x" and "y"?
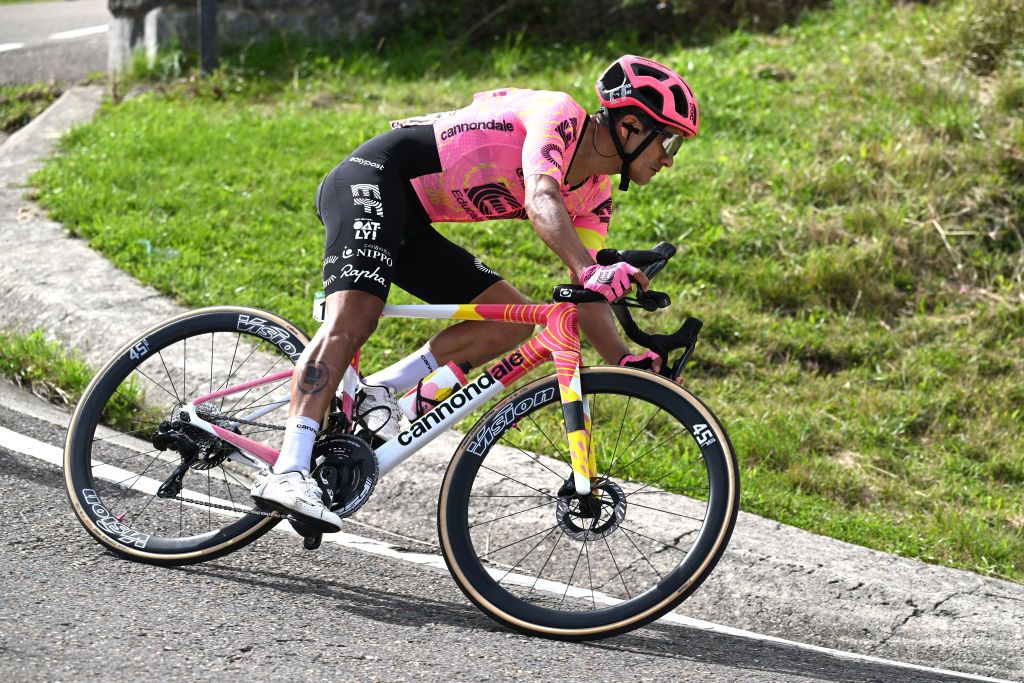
{"x": 577, "y": 419}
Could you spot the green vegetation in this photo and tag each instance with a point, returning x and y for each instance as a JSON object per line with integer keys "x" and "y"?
{"x": 19, "y": 104}
{"x": 43, "y": 367}
{"x": 849, "y": 222}
{"x": 59, "y": 376}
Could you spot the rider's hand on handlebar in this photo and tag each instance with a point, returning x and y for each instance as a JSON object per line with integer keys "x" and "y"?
{"x": 613, "y": 281}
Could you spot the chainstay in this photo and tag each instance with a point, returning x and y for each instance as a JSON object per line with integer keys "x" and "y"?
{"x": 250, "y": 511}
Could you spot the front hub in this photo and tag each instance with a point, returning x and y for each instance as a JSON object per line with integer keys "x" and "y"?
{"x": 592, "y": 516}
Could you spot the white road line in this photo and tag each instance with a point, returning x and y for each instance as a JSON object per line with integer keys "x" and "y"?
{"x": 7, "y": 47}
{"x": 80, "y": 32}
{"x": 26, "y": 445}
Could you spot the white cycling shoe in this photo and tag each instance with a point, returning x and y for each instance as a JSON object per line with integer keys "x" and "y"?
{"x": 377, "y": 410}
{"x": 297, "y": 494}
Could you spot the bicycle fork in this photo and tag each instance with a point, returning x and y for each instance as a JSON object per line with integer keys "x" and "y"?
{"x": 576, "y": 412}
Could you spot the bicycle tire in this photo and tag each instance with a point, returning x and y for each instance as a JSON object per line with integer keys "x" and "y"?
{"x": 501, "y": 597}
{"x": 126, "y": 516}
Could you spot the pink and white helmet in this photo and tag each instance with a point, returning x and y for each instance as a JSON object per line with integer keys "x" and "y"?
{"x": 659, "y": 91}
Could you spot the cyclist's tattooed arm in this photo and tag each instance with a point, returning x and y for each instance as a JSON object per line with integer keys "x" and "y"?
{"x": 551, "y": 222}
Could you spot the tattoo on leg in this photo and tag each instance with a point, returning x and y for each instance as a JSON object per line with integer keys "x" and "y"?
{"x": 314, "y": 378}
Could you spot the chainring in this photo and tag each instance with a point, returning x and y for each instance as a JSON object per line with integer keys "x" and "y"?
{"x": 346, "y": 470}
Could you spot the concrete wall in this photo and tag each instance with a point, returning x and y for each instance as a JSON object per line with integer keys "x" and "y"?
{"x": 151, "y": 24}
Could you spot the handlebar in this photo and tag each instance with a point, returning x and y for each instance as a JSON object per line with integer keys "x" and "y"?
{"x": 650, "y": 262}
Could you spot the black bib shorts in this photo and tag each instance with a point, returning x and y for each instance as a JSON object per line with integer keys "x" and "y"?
{"x": 378, "y": 231}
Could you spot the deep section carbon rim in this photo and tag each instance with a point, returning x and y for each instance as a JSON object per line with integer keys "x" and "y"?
{"x": 112, "y": 468}
{"x": 542, "y": 560}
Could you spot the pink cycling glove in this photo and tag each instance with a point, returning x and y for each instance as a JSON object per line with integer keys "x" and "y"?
{"x": 611, "y": 282}
{"x": 644, "y": 361}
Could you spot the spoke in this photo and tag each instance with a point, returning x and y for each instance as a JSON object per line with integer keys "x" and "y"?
{"x": 157, "y": 384}
{"x": 209, "y": 499}
{"x": 635, "y": 437}
{"x": 505, "y": 476}
{"x": 661, "y": 543}
{"x": 667, "y": 512}
{"x": 640, "y": 491}
{"x": 120, "y": 434}
{"x": 244, "y": 361}
{"x": 651, "y": 450}
{"x": 497, "y": 550}
{"x": 168, "y": 373}
{"x": 229, "y": 413}
{"x": 227, "y": 486}
{"x": 212, "y": 337}
{"x": 234, "y": 478}
{"x": 652, "y": 483}
{"x": 548, "y": 439}
{"x": 511, "y": 514}
{"x": 642, "y": 554}
{"x": 249, "y": 405}
{"x": 269, "y": 370}
{"x": 231, "y": 370}
{"x": 546, "y": 560}
{"x": 622, "y": 424}
{"x": 139, "y": 513}
{"x": 184, "y": 367}
{"x": 617, "y": 569}
{"x": 590, "y": 574}
{"x": 137, "y": 477}
{"x": 571, "y": 576}
{"x": 503, "y": 495}
{"x": 520, "y": 561}
{"x": 533, "y": 458}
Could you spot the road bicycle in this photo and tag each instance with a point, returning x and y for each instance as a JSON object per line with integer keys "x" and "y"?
{"x": 581, "y": 505}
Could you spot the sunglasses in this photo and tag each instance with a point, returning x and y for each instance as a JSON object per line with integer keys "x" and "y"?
{"x": 670, "y": 141}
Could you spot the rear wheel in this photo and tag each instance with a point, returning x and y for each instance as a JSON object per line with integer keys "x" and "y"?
{"x": 111, "y": 468}
{"x": 530, "y": 552}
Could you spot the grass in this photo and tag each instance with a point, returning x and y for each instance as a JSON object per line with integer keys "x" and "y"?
{"x": 19, "y": 104}
{"x": 849, "y": 222}
{"x": 43, "y": 367}
{"x": 59, "y": 376}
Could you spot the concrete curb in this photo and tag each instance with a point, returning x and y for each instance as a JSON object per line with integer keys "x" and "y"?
{"x": 774, "y": 579}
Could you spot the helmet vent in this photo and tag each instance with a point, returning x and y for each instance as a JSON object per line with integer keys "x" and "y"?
{"x": 652, "y": 97}
{"x": 613, "y": 78}
{"x": 644, "y": 70}
{"x": 682, "y": 105}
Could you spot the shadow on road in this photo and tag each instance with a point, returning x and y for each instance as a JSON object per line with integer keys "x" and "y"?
{"x": 668, "y": 641}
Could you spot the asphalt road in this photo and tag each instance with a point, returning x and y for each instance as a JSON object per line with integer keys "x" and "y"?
{"x": 73, "y": 611}
{"x": 53, "y": 41}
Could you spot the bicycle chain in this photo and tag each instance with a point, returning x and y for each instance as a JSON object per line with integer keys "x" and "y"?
{"x": 251, "y": 511}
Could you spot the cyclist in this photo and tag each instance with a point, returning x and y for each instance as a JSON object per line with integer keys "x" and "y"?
{"x": 511, "y": 153}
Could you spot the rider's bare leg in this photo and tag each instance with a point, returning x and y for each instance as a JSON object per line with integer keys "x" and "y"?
{"x": 477, "y": 342}
{"x": 349, "y": 320}
{"x": 350, "y": 317}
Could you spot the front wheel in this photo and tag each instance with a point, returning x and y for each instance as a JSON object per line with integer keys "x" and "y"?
{"x": 537, "y": 557}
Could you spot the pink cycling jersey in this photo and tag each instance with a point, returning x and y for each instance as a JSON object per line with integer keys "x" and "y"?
{"x": 488, "y": 148}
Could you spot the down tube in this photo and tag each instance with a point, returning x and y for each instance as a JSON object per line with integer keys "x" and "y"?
{"x": 437, "y": 421}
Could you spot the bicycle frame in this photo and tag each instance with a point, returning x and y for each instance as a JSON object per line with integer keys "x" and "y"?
{"x": 558, "y": 341}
